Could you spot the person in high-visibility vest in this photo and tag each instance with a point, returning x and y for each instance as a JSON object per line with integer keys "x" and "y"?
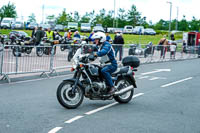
{"x": 50, "y": 34}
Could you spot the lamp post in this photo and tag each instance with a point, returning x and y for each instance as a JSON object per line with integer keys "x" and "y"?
{"x": 177, "y": 19}
{"x": 170, "y": 18}
{"x": 114, "y": 14}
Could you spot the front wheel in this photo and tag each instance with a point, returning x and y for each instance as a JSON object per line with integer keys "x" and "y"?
{"x": 65, "y": 96}
{"x": 123, "y": 83}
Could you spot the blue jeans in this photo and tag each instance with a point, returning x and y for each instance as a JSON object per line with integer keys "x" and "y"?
{"x": 120, "y": 49}
{"x": 106, "y": 72}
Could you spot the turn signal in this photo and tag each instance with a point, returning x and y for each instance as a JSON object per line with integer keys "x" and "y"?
{"x": 81, "y": 65}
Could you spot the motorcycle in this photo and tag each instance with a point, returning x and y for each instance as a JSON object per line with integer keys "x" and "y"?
{"x": 46, "y": 47}
{"x": 149, "y": 50}
{"x": 135, "y": 49}
{"x": 73, "y": 48}
{"x": 20, "y": 46}
{"x": 88, "y": 81}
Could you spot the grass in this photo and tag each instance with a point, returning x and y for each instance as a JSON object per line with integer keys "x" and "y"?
{"x": 128, "y": 38}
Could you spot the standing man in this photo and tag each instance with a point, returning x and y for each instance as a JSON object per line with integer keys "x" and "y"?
{"x": 34, "y": 32}
{"x": 39, "y": 35}
{"x": 119, "y": 40}
{"x": 50, "y": 34}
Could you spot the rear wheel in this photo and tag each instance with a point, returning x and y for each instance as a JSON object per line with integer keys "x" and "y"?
{"x": 123, "y": 83}
{"x": 68, "y": 99}
{"x": 16, "y": 52}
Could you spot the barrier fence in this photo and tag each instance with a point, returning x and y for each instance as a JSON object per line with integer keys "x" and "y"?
{"x": 49, "y": 59}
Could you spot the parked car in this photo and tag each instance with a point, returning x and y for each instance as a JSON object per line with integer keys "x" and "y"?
{"x": 138, "y": 30}
{"x": 59, "y": 27}
{"x": 73, "y": 26}
{"x": 98, "y": 28}
{"x": 18, "y": 25}
{"x": 149, "y": 31}
{"x": 85, "y": 27}
{"x": 32, "y": 26}
{"x": 128, "y": 29}
{"x": 6, "y": 23}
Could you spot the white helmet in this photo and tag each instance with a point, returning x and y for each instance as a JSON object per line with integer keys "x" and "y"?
{"x": 99, "y": 35}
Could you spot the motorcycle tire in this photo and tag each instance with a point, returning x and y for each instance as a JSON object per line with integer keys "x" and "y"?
{"x": 66, "y": 98}
{"x": 69, "y": 57}
{"x": 39, "y": 52}
{"x": 28, "y": 50}
{"x": 16, "y": 52}
{"x": 125, "y": 98}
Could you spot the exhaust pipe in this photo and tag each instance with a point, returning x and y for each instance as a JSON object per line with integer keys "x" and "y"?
{"x": 121, "y": 92}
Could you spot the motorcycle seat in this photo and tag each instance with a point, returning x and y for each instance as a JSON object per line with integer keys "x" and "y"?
{"x": 121, "y": 70}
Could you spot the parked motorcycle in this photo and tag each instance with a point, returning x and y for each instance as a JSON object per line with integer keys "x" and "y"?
{"x": 73, "y": 48}
{"x": 46, "y": 47}
{"x": 20, "y": 45}
{"x": 88, "y": 81}
{"x": 135, "y": 49}
{"x": 149, "y": 50}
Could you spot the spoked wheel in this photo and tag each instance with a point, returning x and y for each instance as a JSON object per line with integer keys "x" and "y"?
{"x": 16, "y": 52}
{"x": 39, "y": 51}
{"x": 125, "y": 98}
{"x": 66, "y": 97}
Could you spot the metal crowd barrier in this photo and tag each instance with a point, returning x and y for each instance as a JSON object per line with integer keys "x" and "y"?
{"x": 52, "y": 59}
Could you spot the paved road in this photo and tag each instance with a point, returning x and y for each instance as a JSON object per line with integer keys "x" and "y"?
{"x": 166, "y": 100}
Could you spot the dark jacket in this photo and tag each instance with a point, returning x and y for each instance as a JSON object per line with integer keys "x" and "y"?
{"x": 39, "y": 35}
{"x": 118, "y": 40}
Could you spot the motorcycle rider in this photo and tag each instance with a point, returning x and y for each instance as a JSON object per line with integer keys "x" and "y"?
{"x": 107, "y": 54}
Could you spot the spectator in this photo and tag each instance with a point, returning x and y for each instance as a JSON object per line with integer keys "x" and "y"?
{"x": 69, "y": 35}
{"x": 50, "y": 34}
{"x": 172, "y": 49}
{"x": 183, "y": 48}
{"x": 108, "y": 38}
{"x": 76, "y": 34}
{"x": 119, "y": 41}
{"x": 172, "y": 37}
{"x": 90, "y": 39}
{"x": 162, "y": 45}
{"x": 39, "y": 35}
{"x": 34, "y": 32}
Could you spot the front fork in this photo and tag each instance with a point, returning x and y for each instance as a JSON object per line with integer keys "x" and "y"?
{"x": 77, "y": 76}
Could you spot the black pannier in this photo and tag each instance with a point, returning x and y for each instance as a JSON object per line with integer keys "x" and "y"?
{"x": 131, "y": 60}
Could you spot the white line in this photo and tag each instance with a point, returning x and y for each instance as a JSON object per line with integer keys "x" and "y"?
{"x": 137, "y": 95}
{"x": 73, "y": 119}
{"x": 109, "y": 105}
{"x": 176, "y": 82}
{"x": 144, "y": 77}
{"x": 56, "y": 129}
{"x": 154, "y": 78}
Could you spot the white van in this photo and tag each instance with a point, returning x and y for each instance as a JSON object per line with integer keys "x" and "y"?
{"x": 128, "y": 29}
{"x": 73, "y": 26}
{"x": 85, "y": 27}
{"x": 6, "y": 23}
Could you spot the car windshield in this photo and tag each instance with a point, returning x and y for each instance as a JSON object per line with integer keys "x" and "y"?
{"x": 129, "y": 28}
{"x": 59, "y": 26}
{"x": 6, "y": 21}
{"x": 72, "y": 24}
{"x": 17, "y": 22}
{"x": 85, "y": 24}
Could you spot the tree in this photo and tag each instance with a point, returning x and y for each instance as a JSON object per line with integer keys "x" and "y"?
{"x": 133, "y": 16}
{"x": 51, "y": 17}
{"x": 31, "y": 18}
{"x": 85, "y": 18}
{"x": 8, "y": 11}
{"x": 194, "y": 24}
{"x": 62, "y": 18}
{"x": 183, "y": 24}
{"x": 76, "y": 16}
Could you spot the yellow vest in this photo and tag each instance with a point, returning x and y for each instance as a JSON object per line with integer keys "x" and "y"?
{"x": 49, "y": 35}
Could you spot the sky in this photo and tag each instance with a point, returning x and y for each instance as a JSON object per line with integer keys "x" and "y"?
{"x": 153, "y": 10}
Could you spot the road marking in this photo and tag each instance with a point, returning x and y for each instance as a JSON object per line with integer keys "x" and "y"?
{"x": 179, "y": 81}
{"x": 144, "y": 77}
{"x": 73, "y": 119}
{"x": 56, "y": 129}
{"x": 157, "y": 70}
{"x": 109, "y": 105}
{"x": 154, "y": 78}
